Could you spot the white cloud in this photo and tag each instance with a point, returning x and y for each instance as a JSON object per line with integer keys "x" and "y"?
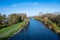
{"x": 35, "y": 3}
{"x": 14, "y": 5}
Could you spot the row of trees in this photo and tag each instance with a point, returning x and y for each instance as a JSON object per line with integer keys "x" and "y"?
{"x": 52, "y": 21}
{"x": 14, "y": 18}
{"x": 54, "y": 18}
{"x": 10, "y": 20}
{"x": 49, "y": 23}
{"x": 2, "y": 18}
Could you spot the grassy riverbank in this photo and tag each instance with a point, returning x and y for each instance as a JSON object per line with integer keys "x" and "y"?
{"x": 51, "y": 25}
{"x": 8, "y": 31}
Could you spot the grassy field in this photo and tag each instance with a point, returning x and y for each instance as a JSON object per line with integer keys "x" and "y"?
{"x": 7, "y": 32}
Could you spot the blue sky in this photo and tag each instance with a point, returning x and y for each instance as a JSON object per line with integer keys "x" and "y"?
{"x": 30, "y": 7}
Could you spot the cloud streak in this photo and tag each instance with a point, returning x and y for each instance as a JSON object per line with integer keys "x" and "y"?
{"x": 14, "y": 5}
{"x": 35, "y": 3}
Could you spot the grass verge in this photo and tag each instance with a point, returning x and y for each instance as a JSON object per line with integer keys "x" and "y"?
{"x": 7, "y": 32}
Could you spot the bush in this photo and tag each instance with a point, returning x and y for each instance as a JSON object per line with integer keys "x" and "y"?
{"x": 49, "y": 22}
{"x": 45, "y": 20}
{"x": 53, "y": 26}
{"x": 1, "y": 27}
{"x": 58, "y": 24}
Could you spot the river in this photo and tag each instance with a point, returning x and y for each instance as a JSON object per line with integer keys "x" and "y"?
{"x": 35, "y": 31}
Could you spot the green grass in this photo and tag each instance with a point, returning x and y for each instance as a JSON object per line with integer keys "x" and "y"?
{"x": 57, "y": 28}
{"x": 14, "y": 28}
{"x": 10, "y": 30}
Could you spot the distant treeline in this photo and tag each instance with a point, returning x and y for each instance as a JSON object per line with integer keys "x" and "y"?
{"x": 52, "y": 21}
{"x": 11, "y": 19}
{"x": 53, "y": 17}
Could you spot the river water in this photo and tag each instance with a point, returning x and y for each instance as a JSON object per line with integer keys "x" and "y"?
{"x": 35, "y": 31}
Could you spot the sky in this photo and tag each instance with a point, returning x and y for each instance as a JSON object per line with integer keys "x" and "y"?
{"x": 30, "y": 7}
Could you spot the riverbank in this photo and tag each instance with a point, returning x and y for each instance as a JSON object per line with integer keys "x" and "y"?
{"x": 12, "y": 30}
{"x": 35, "y": 31}
{"x": 51, "y": 25}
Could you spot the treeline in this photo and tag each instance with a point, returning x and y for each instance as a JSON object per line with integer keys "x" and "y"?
{"x": 52, "y": 21}
{"x": 11, "y": 19}
{"x": 54, "y": 18}
{"x": 5, "y": 33}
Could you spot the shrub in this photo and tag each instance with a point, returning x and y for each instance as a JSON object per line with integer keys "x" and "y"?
{"x": 1, "y": 27}
{"x": 53, "y": 26}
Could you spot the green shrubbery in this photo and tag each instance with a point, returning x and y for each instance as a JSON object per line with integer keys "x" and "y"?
{"x": 48, "y": 23}
{"x": 1, "y": 27}
{"x": 10, "y": 20}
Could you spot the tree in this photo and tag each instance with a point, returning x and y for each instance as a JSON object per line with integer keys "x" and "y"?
{"x": 53, "y": 26}
{"x": 3, "y": 17}
{"x": 13, "y": 18}
{"x": 19, "y": 19}
{"x": 0, "y": 19}
{"x": 45, "y": 19}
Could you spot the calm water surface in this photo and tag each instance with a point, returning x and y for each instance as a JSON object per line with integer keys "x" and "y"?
{"x": 35, "y": 31}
